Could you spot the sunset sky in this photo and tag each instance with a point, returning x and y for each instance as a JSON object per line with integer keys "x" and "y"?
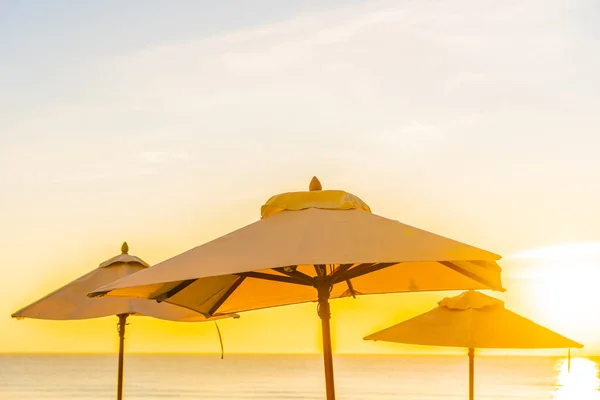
{"x": 167, "y": 124}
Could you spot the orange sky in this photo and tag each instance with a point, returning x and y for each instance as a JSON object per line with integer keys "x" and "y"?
{"x": 476, "y": 123}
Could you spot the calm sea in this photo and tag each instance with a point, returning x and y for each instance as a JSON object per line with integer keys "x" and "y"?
{"x": 237, "y": 377}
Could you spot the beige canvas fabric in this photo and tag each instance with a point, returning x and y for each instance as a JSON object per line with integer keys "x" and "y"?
{"x": 360, "y": 253}
{"x": 71, "y": 302}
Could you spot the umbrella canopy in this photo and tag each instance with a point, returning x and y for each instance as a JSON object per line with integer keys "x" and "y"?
{"x": 311, "y": 246}
{"x": 71, "y": 302}
{"x": 473, "y": 320}
{"x": 476, "y": 321}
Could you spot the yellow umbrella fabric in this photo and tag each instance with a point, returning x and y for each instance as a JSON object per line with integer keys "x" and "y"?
{"x": 71, "y": 302}
{"x": 473, "y": 320}
{"x": 311, "y": 246}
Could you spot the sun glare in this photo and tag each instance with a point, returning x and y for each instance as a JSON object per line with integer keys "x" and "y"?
{"x": 580, "y": 383}
{"x": 562, "y": 281}
{"x": 562, "y": 293}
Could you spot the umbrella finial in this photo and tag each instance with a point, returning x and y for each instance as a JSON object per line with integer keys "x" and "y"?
{"x": 124, "y": 248}
{"x": 315, "y": 184}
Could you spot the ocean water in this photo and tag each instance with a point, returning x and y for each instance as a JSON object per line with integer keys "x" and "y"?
{"x": 240, "y": 377}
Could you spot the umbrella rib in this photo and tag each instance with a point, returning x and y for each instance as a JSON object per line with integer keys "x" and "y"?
{"x": 272, "y": 277}
{"x": 320, "y": 270}
{"x": 351, "y": 288}
{"x": 226, "y": 295}
{"x": 469, "y": 274}
{"x": 341, "y": 269}
{"x": 295, "y": 274}
{"x": 172, "y": 292}
{"x": 361, "y": 269}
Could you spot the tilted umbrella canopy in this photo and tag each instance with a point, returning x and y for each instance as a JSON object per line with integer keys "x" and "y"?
{"x": 71, "y": 302}
{"x": 473, "y": 320}
{"x": 324, "y": 240}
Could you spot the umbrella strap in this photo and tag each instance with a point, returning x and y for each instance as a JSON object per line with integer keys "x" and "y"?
{"x": 324, "y": 292}
{"x": 220, "y": 340}
{"x": 121, "y": 324}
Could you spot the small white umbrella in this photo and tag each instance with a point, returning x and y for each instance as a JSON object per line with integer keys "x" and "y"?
{"x": 71, "y": 302}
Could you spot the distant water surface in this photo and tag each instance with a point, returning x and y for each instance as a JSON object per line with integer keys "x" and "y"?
{"x": 240, "y": 377}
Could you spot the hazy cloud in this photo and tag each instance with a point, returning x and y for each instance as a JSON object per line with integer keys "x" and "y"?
{"x": 161, "y": 157}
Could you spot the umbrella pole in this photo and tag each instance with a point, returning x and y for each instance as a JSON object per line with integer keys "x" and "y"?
{"x": 569, "y": 361}
{"x": 325, "y": 315}
{"x": 471, "y": 374}
{"x": 122, "y": 323}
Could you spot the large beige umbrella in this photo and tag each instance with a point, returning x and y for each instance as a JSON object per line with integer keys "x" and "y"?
{"x": 311, "y": 246}
{"x": 473, "y": 320}
{"x": 71, "y": 302}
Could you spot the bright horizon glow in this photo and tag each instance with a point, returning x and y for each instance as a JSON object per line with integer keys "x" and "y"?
{"x": 564, "y": 251}
{"x": 546, "y": 276}
{"x": 558, "y": 281}
{"x": 580, "y": 383}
